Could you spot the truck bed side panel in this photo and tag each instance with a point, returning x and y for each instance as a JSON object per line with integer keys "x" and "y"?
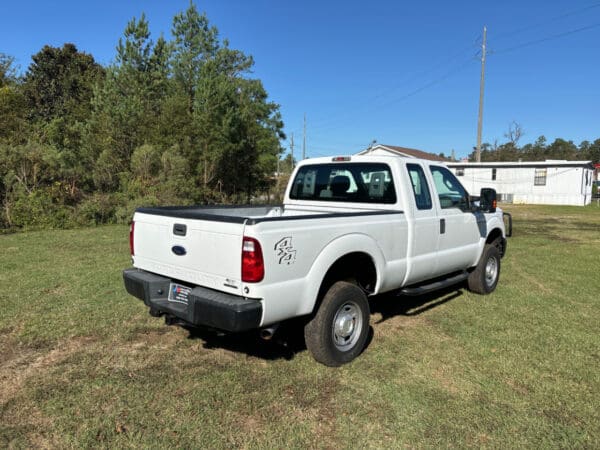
{"x": 298, "y": 255}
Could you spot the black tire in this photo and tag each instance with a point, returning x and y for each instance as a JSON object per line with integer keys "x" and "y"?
{"x": 484, "y": 278}
{"x": 338, "y": 331}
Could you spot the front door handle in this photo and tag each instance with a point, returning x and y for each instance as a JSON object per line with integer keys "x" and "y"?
{"x": 442, "y": 226}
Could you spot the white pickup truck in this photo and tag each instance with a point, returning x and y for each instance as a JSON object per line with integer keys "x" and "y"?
{"x": 349, "y": 228}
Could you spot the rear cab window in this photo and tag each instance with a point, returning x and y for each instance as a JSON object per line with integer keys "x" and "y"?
{"x": 419, "y": 185}
{"x": 345, "y": 182}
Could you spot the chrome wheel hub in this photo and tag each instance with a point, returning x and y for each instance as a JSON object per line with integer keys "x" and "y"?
{"x": 347, "y": 325}
{"x": 491, "y": 271}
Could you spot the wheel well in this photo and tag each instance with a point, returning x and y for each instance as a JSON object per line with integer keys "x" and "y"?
{"x": 358, "y": 267}
{"x": 496, "y": 235}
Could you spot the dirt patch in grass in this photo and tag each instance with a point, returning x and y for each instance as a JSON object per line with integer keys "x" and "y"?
{"x": 323, "y": 414}
{"x": 446, "y": 376}
{"x": 25, "y": 427}
{"x": 19, "y": 363}
{"x": 160, "y": 337}
{"x": 23, "y": 424}
{"x": 56, "y": 290}
{"x": 518, "y": 387}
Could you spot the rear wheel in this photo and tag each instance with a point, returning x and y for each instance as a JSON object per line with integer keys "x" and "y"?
{"x": 338, "y": 331}
{"x": 484, "y": 278}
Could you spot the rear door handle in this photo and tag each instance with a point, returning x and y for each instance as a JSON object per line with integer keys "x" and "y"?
{"x": 442, "y": 226}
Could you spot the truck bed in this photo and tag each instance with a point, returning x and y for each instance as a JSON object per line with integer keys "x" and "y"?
{"x": 255, "y": 214}
{"x": 202, "y": 245}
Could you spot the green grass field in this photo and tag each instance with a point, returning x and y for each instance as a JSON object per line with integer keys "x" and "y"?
{"x": 82, "y": 363}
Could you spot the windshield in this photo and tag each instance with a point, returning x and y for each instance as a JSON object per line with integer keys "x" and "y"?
{"x": 350, "y": 182}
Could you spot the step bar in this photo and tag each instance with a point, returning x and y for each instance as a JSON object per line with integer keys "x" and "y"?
{"x": 434, "y": 286}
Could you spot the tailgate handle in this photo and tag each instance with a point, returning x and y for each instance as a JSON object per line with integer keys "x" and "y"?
{"x": 179, "y": 229}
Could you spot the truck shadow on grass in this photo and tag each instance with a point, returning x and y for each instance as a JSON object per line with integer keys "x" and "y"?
{"x": 285, "y": 344}
{"x": 288, "y": 341}
{"x": 391, "y": 304}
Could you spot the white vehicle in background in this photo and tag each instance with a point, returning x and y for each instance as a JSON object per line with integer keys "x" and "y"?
{"x": 349, "y": 228}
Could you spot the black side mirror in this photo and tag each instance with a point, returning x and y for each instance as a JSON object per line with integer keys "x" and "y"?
{"x": 487, "y": 200}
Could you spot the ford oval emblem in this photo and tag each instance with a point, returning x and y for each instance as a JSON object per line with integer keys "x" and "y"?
{"x": 178, "y": 250}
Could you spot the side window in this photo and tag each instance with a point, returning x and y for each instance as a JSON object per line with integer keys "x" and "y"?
{"x": 419, "y": 185}
{"x": 450, "y": 192}
{"x": 540, "y": 177}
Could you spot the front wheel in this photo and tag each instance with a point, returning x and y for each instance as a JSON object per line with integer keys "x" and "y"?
{"x": 338, "y": 331}
{"x": 484, "y": 278}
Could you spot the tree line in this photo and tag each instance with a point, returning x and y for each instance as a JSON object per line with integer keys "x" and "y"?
{"x": 178, "y": 121}
{"x": 540, "y": 150}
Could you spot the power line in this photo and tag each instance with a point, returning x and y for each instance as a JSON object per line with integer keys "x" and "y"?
{"x": 420, "y": 74}
{"x": 432, "y": 83}
{"x": 538, "y": 24}
{"x": 370, "y": 103}
{"x": 547, "y": 38}
{"x": 464, "y": 65}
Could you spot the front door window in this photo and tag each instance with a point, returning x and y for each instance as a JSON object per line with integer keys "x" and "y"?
{"x": 450, "y": 192}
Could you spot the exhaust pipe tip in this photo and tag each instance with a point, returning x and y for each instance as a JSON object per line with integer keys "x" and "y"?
{"x": 267, "y": 333}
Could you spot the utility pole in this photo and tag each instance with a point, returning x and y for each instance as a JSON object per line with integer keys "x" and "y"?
{"x": 292, "y": 150}
{"x": 304, "y": 139}
{"x": 481, "y": 83}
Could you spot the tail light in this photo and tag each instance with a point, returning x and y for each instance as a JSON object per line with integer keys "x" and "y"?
{"x": 253, "y": 265}
{"x": 131, "y": 229}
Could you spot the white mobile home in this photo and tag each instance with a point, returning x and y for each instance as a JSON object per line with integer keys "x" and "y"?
{"x": 539, "y": 182}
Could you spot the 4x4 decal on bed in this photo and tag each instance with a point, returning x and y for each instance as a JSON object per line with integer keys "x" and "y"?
{"x": 285, "y": 251}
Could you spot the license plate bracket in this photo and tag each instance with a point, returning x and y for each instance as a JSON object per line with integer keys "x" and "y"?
{"x": 178, "y": 293}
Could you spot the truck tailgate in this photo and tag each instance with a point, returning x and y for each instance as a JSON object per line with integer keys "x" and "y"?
{"x": 200, "y": 252}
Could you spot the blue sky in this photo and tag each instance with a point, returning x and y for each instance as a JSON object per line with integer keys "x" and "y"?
{"x": 402, "y": 73}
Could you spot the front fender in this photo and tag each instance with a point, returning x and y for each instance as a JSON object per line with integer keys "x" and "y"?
{"x": 492, "y": 223}
{"x": 496, "y": 222}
